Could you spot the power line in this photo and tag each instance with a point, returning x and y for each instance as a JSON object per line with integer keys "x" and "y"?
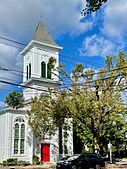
{"x": 94, "y": 73}
{"x": 47, "y": 51}
{"x": 34, "y": 52}
{"x": 64, "y": 60}
{"x": 24, "y": 86}
{"x": 79, "y": 84}
{"x": 20, "y": 43}
{"x": 8, "y": 79}
{"x": 10, "y": 40}
{"x": 23, "y": 44}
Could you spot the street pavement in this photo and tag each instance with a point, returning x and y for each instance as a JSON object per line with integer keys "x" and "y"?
{"x": 43, "y": 166}
{"x": 122, "y": 164}
{"x": 117, "y": 165}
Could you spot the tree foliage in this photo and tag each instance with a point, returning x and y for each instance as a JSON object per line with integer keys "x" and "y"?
{"x": 15, "y": 99}
{"x": 47, "y": 114}
{"x": 93, "y": 100}
{"x": 93, "y": 6}
{"x": 40, "y": 117}
{"x": 98, "y": 109}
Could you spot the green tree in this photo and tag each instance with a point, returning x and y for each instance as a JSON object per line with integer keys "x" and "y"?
{"x": 96, "y": 103}
{"x": 47, "y": 115}
{"x": 93, "y": 6}
{"x": 15, "y": 99}
{"x": 40, "y": 117}
{"x": 93, "y": 100}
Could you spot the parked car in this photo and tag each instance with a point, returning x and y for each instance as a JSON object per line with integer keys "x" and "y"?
{"x": 82, "y": 161}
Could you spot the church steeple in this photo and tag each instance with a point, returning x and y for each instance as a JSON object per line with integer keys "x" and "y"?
{"x": 42, "y": 35}
{"x": 37, "y": 72}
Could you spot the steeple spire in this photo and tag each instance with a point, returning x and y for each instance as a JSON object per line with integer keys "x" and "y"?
{"x": 42, "y": 35}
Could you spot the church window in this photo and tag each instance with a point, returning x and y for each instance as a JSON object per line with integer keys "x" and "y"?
{"x": 16, "y": 138}
{"x": 19, "y": 136}
{"x": 22, "y": 139}
{"x": 48, "y": 71}
{"x": 43, "y": 69}
{"x": 20, "y": 119}
{"x": 27, "y": 72}
{"x": 30, "y": 70}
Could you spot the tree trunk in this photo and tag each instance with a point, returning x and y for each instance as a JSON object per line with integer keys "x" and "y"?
{"x": 60, "y": 142}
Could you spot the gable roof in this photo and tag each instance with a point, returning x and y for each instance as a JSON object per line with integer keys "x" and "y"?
{"x": 42, "y": 35}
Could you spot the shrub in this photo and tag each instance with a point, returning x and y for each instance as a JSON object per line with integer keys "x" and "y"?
{"x": 36, "y": 160}
{"x": 23, "y": 163}
{"x": 27, "y": 163}
{"x": 12, "y": 161}
{"x": 20, "y": 162}
{"x": 4, "y": 163}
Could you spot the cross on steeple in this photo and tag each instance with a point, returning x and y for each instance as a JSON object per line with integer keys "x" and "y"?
{"x": 41, "y": 17}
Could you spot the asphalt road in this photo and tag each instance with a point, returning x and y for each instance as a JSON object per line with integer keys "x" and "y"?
{"x": 1, "y": 167}
{"x": 9, "y": 167}
{"x": 118, "y": 165}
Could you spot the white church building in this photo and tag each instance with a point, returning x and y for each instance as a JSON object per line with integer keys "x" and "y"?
{"x": 16, "y": 137}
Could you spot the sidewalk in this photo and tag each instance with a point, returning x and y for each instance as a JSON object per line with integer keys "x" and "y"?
{"x": 122, "y": 164}
{"x": 42, "y": 166}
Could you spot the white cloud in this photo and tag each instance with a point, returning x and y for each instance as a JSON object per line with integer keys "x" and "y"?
{"x": 9, "y": 59}
{"x": 99, "y": 46}
{"x": 2, "y": 104}
{"x": 19, "y": 18}
{"x": 112, "y": 36}
{"x": 115, "y": 24}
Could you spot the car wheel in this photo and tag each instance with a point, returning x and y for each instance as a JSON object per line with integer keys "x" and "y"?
{"x": 73, "y": 167}
{"x": 97, "y": 166}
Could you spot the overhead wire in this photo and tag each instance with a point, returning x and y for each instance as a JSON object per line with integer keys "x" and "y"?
{"x": 78, "y": 84}
{"x": 25, "y": 86}
{"x": 23, "y": 44}
{"x": 20, "y": 43}
{"x": 41, "y": 54}
{"x": 94, "y": 73}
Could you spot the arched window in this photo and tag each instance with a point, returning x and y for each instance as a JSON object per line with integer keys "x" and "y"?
{"x": 16, "y": 138}
{"x": 48, "y": 71}
{"x": 43, "y": 69}
{"x": 22, "y": 138}
{"x": 27, "y": 72}
{"x": 19, "y": 136}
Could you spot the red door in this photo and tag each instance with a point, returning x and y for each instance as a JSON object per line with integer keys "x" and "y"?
{"x": 45, "y": 152}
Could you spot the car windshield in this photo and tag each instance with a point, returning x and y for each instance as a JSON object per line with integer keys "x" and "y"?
{"x": 93, "y": 155}
{"x": 73, "y": 157}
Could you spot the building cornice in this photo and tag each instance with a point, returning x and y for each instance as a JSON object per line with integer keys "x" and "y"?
{"x": 41, "y": 81}
{"x": 30, "y": 45}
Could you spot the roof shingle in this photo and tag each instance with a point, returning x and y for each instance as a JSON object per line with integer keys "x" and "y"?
{"x": 42, "y": 35}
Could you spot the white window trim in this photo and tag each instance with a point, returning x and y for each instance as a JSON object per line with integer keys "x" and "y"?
{"x": 19, "y": 123}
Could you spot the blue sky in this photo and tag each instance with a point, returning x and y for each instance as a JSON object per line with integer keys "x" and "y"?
{"x": 85, "y": 40}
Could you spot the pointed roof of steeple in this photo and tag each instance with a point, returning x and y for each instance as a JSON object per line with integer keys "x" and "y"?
{"x": 42, "y": 35}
